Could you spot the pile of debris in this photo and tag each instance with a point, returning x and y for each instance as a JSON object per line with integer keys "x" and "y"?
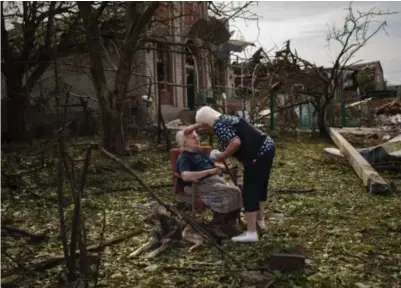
{"x": 175, "y": 125}
{"x": 389, "y": 114}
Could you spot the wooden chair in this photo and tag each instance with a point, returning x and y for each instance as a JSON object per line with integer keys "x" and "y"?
{"x": 180, "y": 196}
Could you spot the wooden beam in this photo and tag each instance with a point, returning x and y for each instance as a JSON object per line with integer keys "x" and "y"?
{"x": 369, "y": 176}
{"x": 363, "y": 131}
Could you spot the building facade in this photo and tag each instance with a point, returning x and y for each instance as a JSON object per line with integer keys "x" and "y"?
{"x": 170, "y": 68}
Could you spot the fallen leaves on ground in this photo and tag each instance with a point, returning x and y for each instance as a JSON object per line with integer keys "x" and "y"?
{"x": 349, "y": 237}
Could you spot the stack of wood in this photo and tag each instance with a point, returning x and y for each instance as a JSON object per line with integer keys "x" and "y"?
{"x": 391, "y": 108}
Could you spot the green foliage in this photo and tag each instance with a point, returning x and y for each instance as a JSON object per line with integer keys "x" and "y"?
{"x": 365, "y": 81}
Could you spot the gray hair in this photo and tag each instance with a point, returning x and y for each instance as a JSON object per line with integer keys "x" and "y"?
{"x": 207, "y": 115}
{"x": 180, "y": 138}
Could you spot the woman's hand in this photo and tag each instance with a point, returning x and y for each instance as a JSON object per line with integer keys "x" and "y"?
{"x": 221, "y": 167}
{"x": 219, "y": 158}
{"x": 188, "y": 130}
{"x": 216, "y": 171}
{"x": 232, "y": 147}
{"x": 216, "y": 155}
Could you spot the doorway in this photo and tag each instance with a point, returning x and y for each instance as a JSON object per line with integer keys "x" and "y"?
{"x": 191, "y": 90}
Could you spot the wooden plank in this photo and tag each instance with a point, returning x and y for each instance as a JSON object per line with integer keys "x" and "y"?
{"x": 286, "y": 262}
{"x": 362, "y": 131}
{"x": 369, "y": 176}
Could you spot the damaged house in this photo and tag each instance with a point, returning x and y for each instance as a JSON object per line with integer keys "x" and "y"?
{"x": 358, "y": 82}
{"x": 187, "y": 52}
{"x": 261, "y": 75}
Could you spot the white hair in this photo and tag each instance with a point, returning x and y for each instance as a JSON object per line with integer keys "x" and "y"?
{"x": 207, "y": 115}
{"x": 180, "y": 138}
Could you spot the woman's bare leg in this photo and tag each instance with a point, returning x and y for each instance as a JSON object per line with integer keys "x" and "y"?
{"x": 261, "y": 216}
{"x": 261, "y": 212}
{"x": 251, "y": 221}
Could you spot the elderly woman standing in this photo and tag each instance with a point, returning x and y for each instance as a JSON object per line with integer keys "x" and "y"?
{"x": 254, "y": 149}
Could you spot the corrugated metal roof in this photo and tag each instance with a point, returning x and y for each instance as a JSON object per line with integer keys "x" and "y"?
{"x": 238, "y": 45}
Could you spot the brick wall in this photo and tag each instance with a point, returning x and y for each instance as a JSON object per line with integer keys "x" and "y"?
{"x": 192, "y": 12}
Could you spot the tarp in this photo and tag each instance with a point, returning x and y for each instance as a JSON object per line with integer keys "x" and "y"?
{"x": 377, "y": 155}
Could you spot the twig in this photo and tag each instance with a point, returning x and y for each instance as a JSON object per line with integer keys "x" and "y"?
{"x": 33, "y": 170}
{"x": 85, "y": 169}
{"x": 23, "y": 233}
{"x": 21, "y": 266}
{"x": 165, "y": 130}
{"x": 71, "y": 263}
{"x": 230, "y": 173}
{"x": 314, "y": 226}
{"x": 355, "y": 256}
{"x": 270, "y": 283}
{"x": 61, "y": 129}
{"x": 83, "y": 253}
{"x": 99, "y": 256}
{"x": 202, "y": 269}
{"x": 158, "y": 186}
{"x": 81, "y": 229}
{"x": 84, "y": 265}
{"x": 60, "y": 180}
{"x": 16, "y": 262}
{"x": 296, "y": 190}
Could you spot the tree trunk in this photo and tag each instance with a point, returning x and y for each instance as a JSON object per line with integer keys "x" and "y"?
{"x": 113, "y": 138}
{"x": 17, "y": 109}
{"x": 110, "y": 103}
{"x": 142, "y": 115}
{"x": 321, "y": 122}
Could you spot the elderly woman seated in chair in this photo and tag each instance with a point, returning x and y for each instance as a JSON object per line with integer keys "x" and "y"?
{"x": 194, "y": 165}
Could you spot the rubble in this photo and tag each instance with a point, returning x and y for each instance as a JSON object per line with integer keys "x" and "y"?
{"x": 387, "y": 116}
{"x": 175, "y": 125}
{"x": 388, "y": 121}
{"x": 388, "y": 153}
{"x": 391, "y": 108}
{"x": 369, "y": 176}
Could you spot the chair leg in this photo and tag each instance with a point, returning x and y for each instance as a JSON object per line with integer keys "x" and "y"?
{"x": 218, "y": 219}
{"x": 193, "y": 199}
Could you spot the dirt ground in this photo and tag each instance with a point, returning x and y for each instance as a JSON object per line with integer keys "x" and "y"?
{"x": 349, "y": 237}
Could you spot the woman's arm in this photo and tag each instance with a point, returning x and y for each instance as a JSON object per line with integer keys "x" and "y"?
{"x": 188, "y": 130}
{"x": 190, "y": 176}
{"x": 232, "y": 147}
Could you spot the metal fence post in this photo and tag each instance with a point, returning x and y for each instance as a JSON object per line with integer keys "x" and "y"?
{"x": 272, "y": 102}
{"x": 300, "y": 116}
{"x": 343, "y": 112}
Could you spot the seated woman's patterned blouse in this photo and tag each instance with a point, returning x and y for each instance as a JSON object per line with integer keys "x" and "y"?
{"x": 224, "y": 128}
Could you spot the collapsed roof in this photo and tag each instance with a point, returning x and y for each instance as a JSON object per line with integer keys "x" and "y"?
{"x": 214, "y": 32}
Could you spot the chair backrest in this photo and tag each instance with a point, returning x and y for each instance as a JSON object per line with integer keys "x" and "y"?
{"x": 175, "y": 152}
{"x": 173, "y": 156}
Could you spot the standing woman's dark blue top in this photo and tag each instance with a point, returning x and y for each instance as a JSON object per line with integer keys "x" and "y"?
{"x": 256, "y": 175}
